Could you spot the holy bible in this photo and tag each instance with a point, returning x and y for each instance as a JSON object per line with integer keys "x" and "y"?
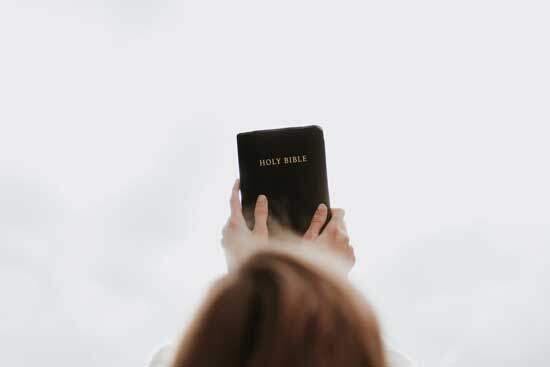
{"x": 287, "y": 165}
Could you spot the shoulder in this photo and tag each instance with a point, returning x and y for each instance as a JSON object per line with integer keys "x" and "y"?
{"x": 162, "y": 357}
{"x": 397, "y": 358}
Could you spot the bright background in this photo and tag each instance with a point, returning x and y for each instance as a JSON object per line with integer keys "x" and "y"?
{"x": 117, "y": 154}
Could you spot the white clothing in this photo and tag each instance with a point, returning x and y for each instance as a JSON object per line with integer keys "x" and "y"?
{"x": 163, "y": 357}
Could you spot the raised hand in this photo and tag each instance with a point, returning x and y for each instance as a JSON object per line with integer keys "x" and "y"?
{"x": 237, "y": 239}
{"x": 334, "y": 236}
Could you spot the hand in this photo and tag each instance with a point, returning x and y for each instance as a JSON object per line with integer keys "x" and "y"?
{"x": 334, "y": 236}
{"x": 237, "y": 239}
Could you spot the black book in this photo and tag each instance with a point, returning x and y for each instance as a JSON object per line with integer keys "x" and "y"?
{"x": 287, "y": 165}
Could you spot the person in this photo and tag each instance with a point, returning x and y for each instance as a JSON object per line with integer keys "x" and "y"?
{"x": 285, "y": 301}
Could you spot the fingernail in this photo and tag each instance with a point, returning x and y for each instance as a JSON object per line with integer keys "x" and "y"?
{"x": 262, "y": 199}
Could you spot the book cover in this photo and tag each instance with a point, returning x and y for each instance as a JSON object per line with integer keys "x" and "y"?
{"x": 288, "y": 165}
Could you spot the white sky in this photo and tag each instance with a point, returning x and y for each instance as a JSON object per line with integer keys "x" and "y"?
{"x": 117, "y": 154}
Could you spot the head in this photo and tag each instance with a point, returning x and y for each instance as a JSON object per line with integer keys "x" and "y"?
{"x": 280, "y": 309}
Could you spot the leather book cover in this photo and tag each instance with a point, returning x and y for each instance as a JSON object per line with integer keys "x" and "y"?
{"x": 288, "y": 165}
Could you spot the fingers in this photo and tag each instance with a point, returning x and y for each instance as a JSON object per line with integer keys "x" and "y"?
{"x": 236, "y": 216}
{"x": 335, "y": 236}
{"x": 348, "y": 255}
{"x": 337, "y": 219}
{"x": 337, "y": 214}
{"x": 336, "y": 231}
{"x": 319, "y": 218}
{"x": 351, "y": 255}
{"x": 260, "y": 216}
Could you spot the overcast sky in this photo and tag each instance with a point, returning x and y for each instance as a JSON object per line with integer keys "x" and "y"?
{"x": 118, "y": 151}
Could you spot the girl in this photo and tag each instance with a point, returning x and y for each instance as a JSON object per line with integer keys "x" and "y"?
{"x": 285, "y": 302}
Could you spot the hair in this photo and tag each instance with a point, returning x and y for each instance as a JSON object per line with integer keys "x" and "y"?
{"x": 278, "y": 309}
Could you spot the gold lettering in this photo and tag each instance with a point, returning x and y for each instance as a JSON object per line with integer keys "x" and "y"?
{"x": 285, "y": 160}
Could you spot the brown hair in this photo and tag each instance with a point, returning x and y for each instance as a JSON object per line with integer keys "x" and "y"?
{"x": 279, "y": 310}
